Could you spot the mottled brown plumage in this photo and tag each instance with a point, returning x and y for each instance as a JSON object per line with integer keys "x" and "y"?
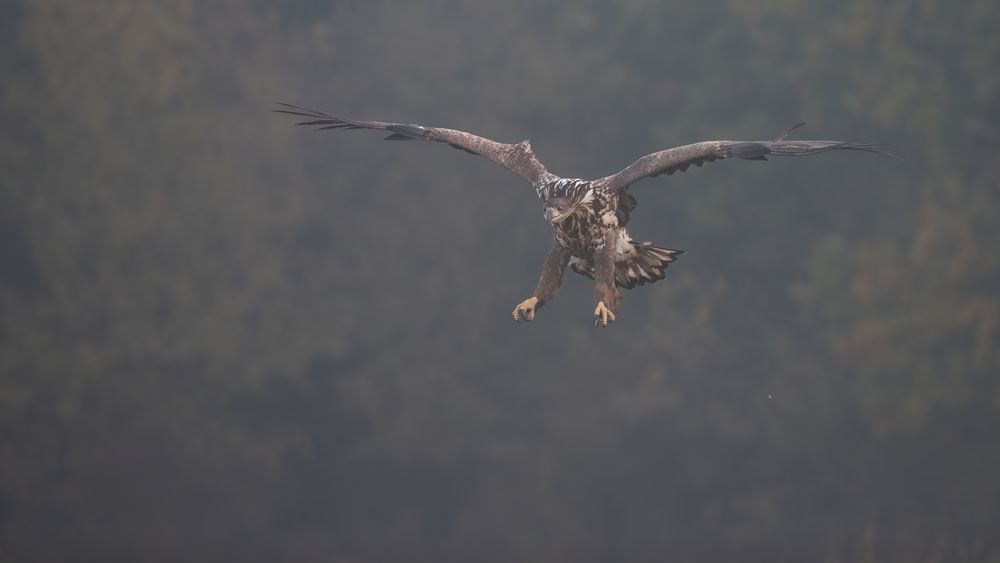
{"x": 589, "y": 217}
{"x": 681, "y": 158}
{"x": 518, "y": 157}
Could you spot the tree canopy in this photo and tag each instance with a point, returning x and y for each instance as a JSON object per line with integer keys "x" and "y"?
{"x": 225, "y": 338}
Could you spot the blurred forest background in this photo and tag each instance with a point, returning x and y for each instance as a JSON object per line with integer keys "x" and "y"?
{"x": 223, "y": 338}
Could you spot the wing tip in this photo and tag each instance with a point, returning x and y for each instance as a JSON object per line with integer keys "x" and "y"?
{"x": 882, "y": 150}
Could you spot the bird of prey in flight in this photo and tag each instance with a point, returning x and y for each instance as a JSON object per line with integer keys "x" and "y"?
{"x": 589, "y": 216}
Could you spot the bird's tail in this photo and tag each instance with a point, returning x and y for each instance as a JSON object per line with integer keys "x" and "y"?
{"x": 647, "y": 266}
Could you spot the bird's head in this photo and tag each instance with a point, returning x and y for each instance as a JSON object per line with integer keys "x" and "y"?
{"x": 557, "y": 209}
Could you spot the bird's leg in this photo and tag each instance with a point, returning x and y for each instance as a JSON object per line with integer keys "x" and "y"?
{"x": 604, "y": 282}
{"x": 548, "y": 285}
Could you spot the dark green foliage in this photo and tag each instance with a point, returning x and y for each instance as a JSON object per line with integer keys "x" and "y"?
{"x": 223, "y": 338}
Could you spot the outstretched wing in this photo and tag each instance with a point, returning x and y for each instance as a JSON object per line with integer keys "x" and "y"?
{"x": 518, "y": 158}
{"x": 681, "y": 158}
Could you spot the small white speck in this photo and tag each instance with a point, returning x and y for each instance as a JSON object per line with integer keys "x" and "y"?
{"x": 769, "y": 396}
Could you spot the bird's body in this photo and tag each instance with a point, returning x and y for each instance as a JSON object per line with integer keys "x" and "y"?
{"x": 581, "y": 231}
{"x": 599, "y": 219}
{"x": 590, "y": 217}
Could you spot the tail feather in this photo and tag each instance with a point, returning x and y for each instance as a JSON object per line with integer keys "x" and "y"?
{"x": 647, "y": 265}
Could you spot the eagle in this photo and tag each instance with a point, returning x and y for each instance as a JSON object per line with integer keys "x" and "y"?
{"x": 589, "y": 217}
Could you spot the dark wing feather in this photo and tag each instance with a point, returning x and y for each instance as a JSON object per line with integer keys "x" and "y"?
{"x": 697, "y": 154}
{"x": 518, "y": 158}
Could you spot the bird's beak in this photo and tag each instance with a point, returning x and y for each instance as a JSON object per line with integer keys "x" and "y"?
{"x": 548, "y": 214}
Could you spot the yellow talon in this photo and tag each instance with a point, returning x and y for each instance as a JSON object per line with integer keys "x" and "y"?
{"x": 525, "y": 310}
{"x": 603, "y": 315}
